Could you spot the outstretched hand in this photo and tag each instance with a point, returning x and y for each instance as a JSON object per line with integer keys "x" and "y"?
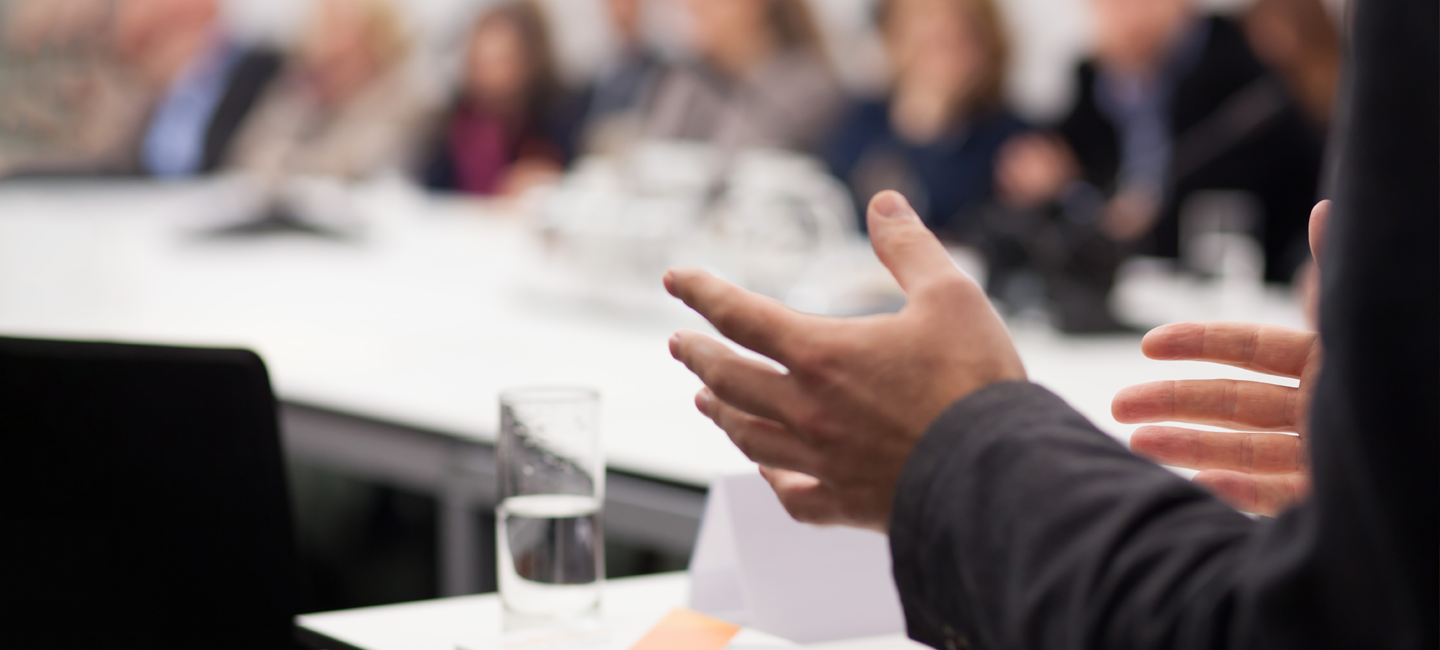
{"x": 1257, "y": 467}
{"x": 833, "y": 429}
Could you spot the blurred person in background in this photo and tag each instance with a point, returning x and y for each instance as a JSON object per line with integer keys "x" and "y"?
{"x": 1298, "y": 40}
{"x": 206, "y": 82}
{"x": 345, "y": 106}
{"x": 507, "y": 131}
{"x": 763, "y": 79}
{"x": 66, "y": 104}
{"x": 614, "y": 103}
{"x": 936, "y": 137}
{"x": 1171, "y": 104}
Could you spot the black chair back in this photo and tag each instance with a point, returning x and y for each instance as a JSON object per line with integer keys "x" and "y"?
{"x": 148, "y": 499}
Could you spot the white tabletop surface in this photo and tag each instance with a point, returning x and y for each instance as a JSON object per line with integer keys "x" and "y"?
{"x": 630, "y": 607}
{"x": 432, "y": 312}
{"x": 475, "y": 622}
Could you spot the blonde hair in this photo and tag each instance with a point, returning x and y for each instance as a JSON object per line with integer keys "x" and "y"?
{"x": 385, "y": 34}
{"x": 988, "y": 28}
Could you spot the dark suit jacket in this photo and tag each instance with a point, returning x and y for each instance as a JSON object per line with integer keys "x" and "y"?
{"x": 248, "y": 81}
{"x": 1277, "y": 157}
{"x": 1017, "y": 524}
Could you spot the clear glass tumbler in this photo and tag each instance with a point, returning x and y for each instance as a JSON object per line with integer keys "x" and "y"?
{"x": 550, "y": 545}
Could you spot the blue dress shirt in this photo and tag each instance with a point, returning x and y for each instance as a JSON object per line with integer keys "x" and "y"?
{"x": 174, "y": 144}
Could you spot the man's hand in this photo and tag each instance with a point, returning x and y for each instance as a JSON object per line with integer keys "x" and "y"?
{"x": 1130, "y": 215}
{"x": 1251, "y": 470}
{"x": 833, "y": 430}
{"x": 1033, "y": 168}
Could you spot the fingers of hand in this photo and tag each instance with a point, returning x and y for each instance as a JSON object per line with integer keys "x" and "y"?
{"x": 745, "y": 383}
{"x": 764, "y": 441}
{"x": 903, "y": 243}
{"x": 1217, "y": 402}
{"x": 1254, "y": 453}
{"x": 752, "y": 320}
{"x": 804, "y": 496}
{"x": 1265, "y": 495}
{"x": 1270, "y": 349}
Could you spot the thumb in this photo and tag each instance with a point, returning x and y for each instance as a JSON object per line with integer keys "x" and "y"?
{"x": 1319, "y": 223}
{"x": 903, "y": 243}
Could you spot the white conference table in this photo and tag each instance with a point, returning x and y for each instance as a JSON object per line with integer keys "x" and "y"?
{"x": 390, "y": 349}
{"x": 630, "y": 607}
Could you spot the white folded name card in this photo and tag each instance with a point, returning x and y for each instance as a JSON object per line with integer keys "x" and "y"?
{"x": 755, "y": 566}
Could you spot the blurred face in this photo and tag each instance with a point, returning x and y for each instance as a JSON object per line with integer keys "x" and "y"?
{"x": 721, "y": 26}
{"x": 498, "y": 69}
{"x": 1273, "y": 38}
{"x": 335, "y": 50}
{"x": 1134, "y": 35}
{"x": 933, "y": 45}
{"x": 30, "y": 24}
{"x": 625, "y": 16}
{"x": 144, "y": 26}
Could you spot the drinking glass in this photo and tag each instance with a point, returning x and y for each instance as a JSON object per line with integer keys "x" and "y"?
{"x": 551, "y": 551}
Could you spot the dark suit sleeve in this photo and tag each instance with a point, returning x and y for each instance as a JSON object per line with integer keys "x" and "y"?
{"x": 1017, "y": 524}
{"x": 1020, "y": 525}
{"x": 248, "y": 81}
{"x": 1091, "y": 135}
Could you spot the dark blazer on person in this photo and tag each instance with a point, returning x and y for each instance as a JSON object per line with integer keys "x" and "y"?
{"x": 947, "y": 180}
{"x": 250, "y": 77}
{"x": 1018, "y": 524}
{"x": 1233, "y": 127}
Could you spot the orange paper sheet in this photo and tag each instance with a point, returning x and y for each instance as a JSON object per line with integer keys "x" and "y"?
{"x": 683, "y": 628}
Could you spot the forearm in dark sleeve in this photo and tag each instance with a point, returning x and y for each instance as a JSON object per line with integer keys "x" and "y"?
{"x": 1018, "y": 524}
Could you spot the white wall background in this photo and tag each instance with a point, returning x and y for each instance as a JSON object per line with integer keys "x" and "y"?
{"x": 1048, "y": 35}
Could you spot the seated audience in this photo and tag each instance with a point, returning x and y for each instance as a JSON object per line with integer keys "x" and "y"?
{"x": 345, "y": 106}
{"x": 615, "y": 101}
{"x": 1171, "y": 104}
{"x": 506, "y": 131}
{"x": 937, "y": 135}
{"x": 762, "y": 80}
{"x": 207, "y": 82}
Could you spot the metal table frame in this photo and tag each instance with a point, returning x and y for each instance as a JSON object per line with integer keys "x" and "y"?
{"x": 460, "y": 474}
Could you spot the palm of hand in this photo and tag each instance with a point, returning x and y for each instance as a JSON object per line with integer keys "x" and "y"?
{"x": 1257, "y": 466}
{"x": 832, "y": 432}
